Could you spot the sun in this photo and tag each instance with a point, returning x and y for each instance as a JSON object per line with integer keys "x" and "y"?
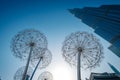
{"x": 62, "y": 72}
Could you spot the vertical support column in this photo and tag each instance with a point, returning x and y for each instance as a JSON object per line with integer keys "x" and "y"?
{"x": 27, "y": 65}
{"x": 35, "y": 68}
{"x": 78, "y": 67}
{"x": 27, "y": 77}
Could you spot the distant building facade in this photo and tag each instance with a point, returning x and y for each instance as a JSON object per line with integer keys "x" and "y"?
{"x": 104, "y": 76}
{"x": 116, "y": 71}
{"x": 105, "y": 20}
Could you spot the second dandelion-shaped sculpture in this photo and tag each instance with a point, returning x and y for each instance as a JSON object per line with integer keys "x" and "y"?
{"x": 27, "y": 40}
{"x": 19, "y": 73}
{"x": 42, "y": 61}
{"x": 45, "y": 76}
{"x": 28, "y": 44}
{"x": 83, "y": 50}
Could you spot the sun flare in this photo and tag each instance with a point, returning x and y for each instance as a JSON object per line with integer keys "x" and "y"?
{"x": 62, "y": 73}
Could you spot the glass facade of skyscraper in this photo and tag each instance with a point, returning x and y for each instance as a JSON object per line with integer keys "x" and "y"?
{"x": 104, "y": 76}
{"x": 105, "y": 20}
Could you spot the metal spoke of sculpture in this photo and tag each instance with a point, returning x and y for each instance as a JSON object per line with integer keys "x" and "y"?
{"x": 28, "y": 44}
{"x": 42, "y": 61}
{"x": 83, "y": 50}
{"x": 19, "y": 73}
{"x": 45, "y": 76}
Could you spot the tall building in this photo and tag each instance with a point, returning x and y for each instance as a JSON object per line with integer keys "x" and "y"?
{"x": 114, "y": 69}
{"x": 105, "y": 20}
{"x": 103, "y": 76}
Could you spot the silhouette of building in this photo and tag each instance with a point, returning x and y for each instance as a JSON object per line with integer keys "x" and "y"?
{"x": 114, "y": 69}
{"x": 104, "y": 76}
{"x": 105, "y": 20}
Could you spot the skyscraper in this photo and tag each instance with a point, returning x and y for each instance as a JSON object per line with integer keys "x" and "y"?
{"x": 103, "y": 76}
{"x": 114, "y": 69}
{"x": 105, "y": 20}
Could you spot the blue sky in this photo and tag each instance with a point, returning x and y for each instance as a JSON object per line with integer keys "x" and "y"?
{"x": 54, "y": 20}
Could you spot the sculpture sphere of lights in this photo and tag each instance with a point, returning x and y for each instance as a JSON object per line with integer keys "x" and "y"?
{"x": 27, "y": 39}
{"x": 83, "y": 50}
{"x": 44, "y": 59}
{"x": 19, "y": 73}
{"x": 41, "y": 61}
{"x": 45, "y": 76}
{"x": 28, "y": 44}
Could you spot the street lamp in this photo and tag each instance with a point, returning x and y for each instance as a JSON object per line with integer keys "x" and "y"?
{"x": 28, "y": 44}
{"x": 83, "y": 50}
{"x": 45, "y": 76}
{"x": 19, "y": 73}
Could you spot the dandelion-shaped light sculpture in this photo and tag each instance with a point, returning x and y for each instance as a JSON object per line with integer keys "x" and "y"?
{"x": 28, "y": 44}
{"x": 83, "y": 50}
{"x": 42, "y": 61}
{"x": 19, "y": 73}
{"x": 45, "y": 76}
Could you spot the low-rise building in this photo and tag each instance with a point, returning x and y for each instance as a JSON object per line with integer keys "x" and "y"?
{"x": 104, "y": 76}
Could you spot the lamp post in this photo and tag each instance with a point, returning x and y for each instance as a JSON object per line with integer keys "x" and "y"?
{"x": 42, "y": 61}
{"x": 82, "y": 50}
{"x": 19, "y": 73}
{"x": 28, "y": 44}
{"x": 45, "y": 76}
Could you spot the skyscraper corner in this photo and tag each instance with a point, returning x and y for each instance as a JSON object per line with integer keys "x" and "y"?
{"x": 105, "y": 20}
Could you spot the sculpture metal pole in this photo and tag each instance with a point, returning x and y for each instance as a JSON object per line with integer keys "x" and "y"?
{"x": 35, "y": 68}
{"x": 27, "y": 77}
{"x": 28, "y": 44}
{"x": 78, "y": 68}
{"x": 28, "y": 61}
{"x": 79, "y": 63}
{"x": 82, "y": 50}
{"x": 19, "y": 73}
{"x": 42, "y": 61}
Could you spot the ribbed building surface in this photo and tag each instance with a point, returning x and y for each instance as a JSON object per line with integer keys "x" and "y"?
{"x": 104, "y": 76}
{"x": 105, "y": 20}
{"x": 116, "y": 71}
